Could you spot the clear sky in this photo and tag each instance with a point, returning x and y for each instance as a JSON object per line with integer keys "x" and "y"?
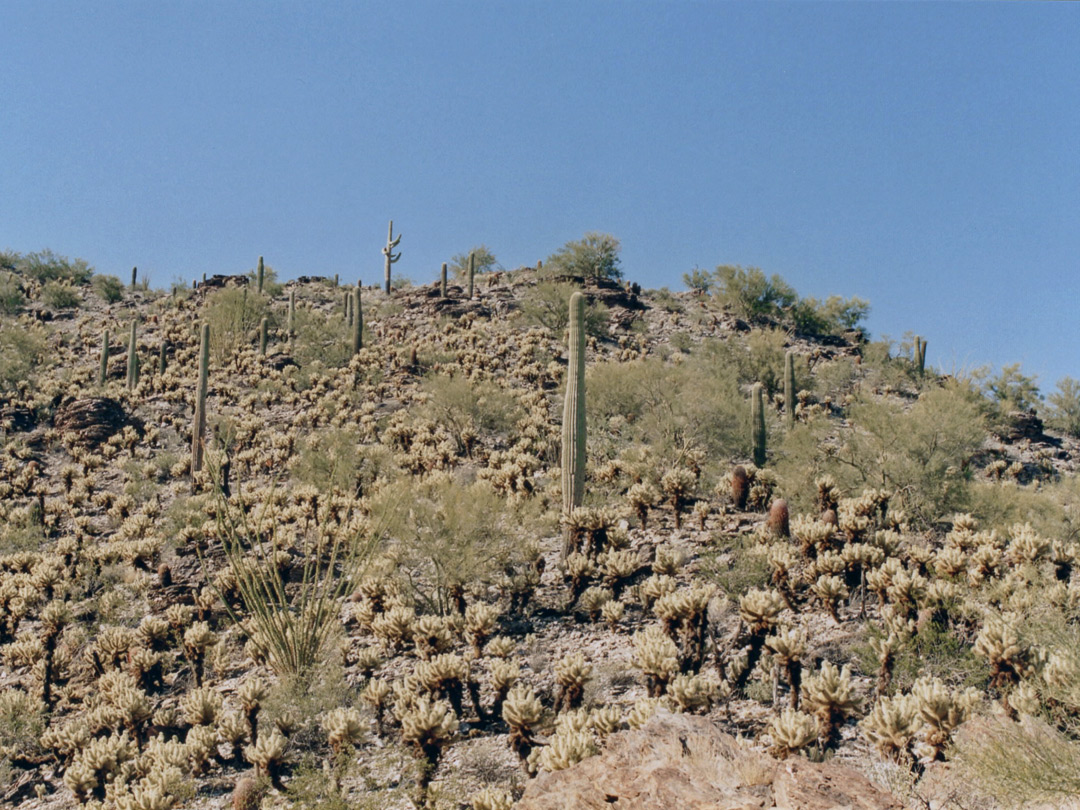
{"x": 924, "y": 156}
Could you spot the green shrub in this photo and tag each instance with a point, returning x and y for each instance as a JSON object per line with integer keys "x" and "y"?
{"x": 234, "y": 315}
{"x": 335, "y": 459}
{"x": 594, "y": 256}
{"x": 22, "y": 351}
{"x": 49, "y": 266}
{"x": 60, "y": 295}
{"x": 324, "y": 337}
{"x": 108, "y": 287}
{"x": 484, "y": 262}
{"x": 831, "y": 317}
{"x": 921, "y": 453}
{"x": 1064, "y": 410}
{"x": 547, "y": 305}
{"x": 467, "y": 408}
{"x": 446, "y": 536}
{"x": 12, "y": 297}
{"x": 750, "y": 293}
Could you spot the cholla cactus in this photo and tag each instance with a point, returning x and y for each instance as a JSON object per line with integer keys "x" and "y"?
{"x": 789, "y": 646}
{"x": 813, "y": 536}
{"x": 500, "y": 647}
{"x": 571, "y": 674}
{"x": 480, "y": 623}
{"x": 693, "y": 693}
{"x": 791, "y": 731}
{"x": 565, "y": 749}
{"x": 197, "y": 639}
{"x": 444, "y": 676}
{"x": 617, "y": 567}
{"x": 252, "y": 693}
{"x": 394, "y": 627}
{"x": 655, "y": 587}
{"x": 578, "y": 569}
{"x": 490, "y": 798}
{"x": 677, "y": 485}
{"x": 892, "y": 725}
{"x": 941, "y": 711}
{"x": 593, "y": 600}
{"x": 523, "y": 713}
{"x": 605, "y": 721}
{"x": 612, "y": 612}
{"x": 831, "y": 591}
{"x": 641, "y": 497}
{"x": 885, "y": 648}
{"x": 657, "y": 657}
{"x": 376, "y": 694}
{"x": 268, "y": 755}
{"x": 201, "y": 706}
{"x": 344, "y": 728}
{"x": 1000, "y": 644}
{"x": 830, "y": 694}
{"x": 432, "y": 635}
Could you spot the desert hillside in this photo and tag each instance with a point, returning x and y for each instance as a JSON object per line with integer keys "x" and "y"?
{"x": 508, "y": 537}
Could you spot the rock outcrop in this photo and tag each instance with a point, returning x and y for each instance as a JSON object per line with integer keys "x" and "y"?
{"x": 687, "y": 762}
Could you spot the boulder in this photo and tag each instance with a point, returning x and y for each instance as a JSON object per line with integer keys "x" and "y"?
{"x": 684, "y": 761}
{"x": 93, "y": 420}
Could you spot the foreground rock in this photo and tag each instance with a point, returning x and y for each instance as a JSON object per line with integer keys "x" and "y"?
{"x": 686, "y": 762}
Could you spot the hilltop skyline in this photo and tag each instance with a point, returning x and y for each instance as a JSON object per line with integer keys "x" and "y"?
{"x": 920, "y": 157}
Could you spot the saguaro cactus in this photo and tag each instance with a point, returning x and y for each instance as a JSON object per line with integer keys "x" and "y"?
{"x": 103, "y": 371}
{"x": 920, "y": 354}
{"x": 134, "y": 274}
{"x": 292, "y": 314}
{"x": 573, "y": 428}
{"x": 757, "y": 422}
{"x": 357, "y": 321}
{"x": 198, "y": 432}
{"x": 264, "y": 335}
{"x": 388, "y": 252}
{"x": 260, "y": 275}
{"x": 789, "y": 389}
{"x": 163, "y": 356}
{"x": 442, "y": 289}
{"x": 132, "y": 359}
{"x": 472, "y": 273}
{"x": 346, "y": 304}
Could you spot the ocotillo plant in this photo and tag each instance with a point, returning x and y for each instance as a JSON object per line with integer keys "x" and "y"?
{"x": 757, "y": 422}
{"x": 472, "y": 273}
{"x": 103, "y": 371}
{"x": 573, "y": 428}
{"x": 132, "y": 360}
{"x": 260, "y": 275}
{"x": 264, "y": 335}
{"x": 442, "y": 289}
{"x": 198, "y": 432}
{"x": 789, "y": 389}
{"x": 134, "y": 274}
{"x": 358, "y": 322}
{"x": 388, "y": 252}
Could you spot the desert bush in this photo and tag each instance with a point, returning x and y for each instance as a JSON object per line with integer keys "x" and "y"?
{"x": 108, "y": 287}
{"x": 48, "y": 266}
{"x": 234, "y": 314}
{"x": 445, "y": 535}
{"x": 750, "y": 293}
{"x": 546, "y": 305}
{"x": 12, "y": 297}
{"x": 22, "y": 350}
{"x": 323, "y": 337}
{"x": 484, "y": 261}
{"x": 469, "y": 409}
{"x": 271, "y": 286}
{"x": 60, "y": 295}
{"x": 594, "y": 256}
{"x": 335, "y": 459}
{"x": 1064, "y": 411}
{"x": 920, "y": 453}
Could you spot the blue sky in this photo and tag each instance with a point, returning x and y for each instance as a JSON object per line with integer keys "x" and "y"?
{"x": 922, "y": 156}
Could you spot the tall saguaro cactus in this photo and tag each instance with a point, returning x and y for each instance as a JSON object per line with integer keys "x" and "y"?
{"x": 757, "y": 422}
{"x": 357, "y": 322}
{"x": 292, "y": 314}
{"x": 132, "y": 359}
{"x": 573, "y": 428}
{"x": 260, "y": 275}
{"x": 442, "y": 289}
{"x": 472, "y": 273}
{"x": 789, "y": 389}
{"x": 103, "y": 371}
{"x": 388, "y": 252}
{"x": 198, "y": 432}
{"x": 264, "y": 335}
{"x": 920, "y": 354}
{"x": 134, "y": 274}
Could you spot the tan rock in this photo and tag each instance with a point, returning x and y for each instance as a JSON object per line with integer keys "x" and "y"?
{"x": 686, "y": 762}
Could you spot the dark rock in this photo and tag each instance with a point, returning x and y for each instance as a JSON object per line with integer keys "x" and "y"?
{"x": 93, "y": 420}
